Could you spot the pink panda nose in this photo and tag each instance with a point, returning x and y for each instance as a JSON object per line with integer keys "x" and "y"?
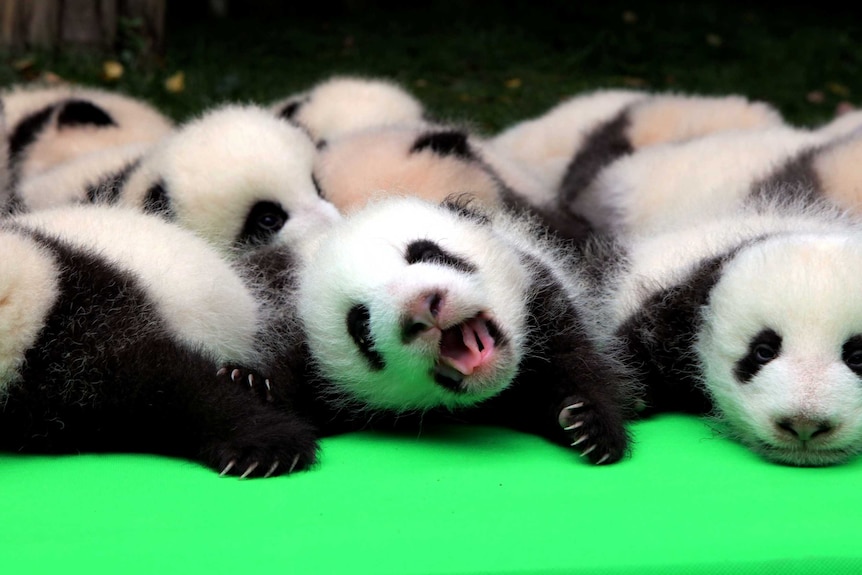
{"x": 422, "y": 314}
{"x": 803, "y": 428}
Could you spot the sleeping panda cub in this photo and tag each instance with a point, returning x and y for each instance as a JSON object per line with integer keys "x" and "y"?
{"x": 756, "y": 319}
{"x": 410, "y": 306}
{"x": 113, "y": 329}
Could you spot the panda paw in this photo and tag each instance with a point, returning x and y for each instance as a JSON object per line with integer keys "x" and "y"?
{"x": 246, "y": 463}
{"x": 255, "y": 382}
{"x": 599, "y": 439}
{"x": 279, "y": 446}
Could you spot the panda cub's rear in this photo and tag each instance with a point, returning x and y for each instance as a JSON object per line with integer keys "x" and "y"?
{"x": 113, "y": 328}
{"x": 410, "y": 306}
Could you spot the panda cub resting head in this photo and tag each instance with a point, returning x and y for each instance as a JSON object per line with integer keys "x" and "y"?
{"x": 411, "y": 306}
{"x": 756, "y": 319}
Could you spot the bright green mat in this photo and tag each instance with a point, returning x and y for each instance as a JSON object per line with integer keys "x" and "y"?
{"x": 455, "y": 500}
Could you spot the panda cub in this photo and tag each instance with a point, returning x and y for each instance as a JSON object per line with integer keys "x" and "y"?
{"x": 569, "y": 144}
{"x": 113, "y": 328}
{"x": 414, "y": 307}
{"x": 236, "y": 176}
{"x": 673, "y": 184}
{"x": 343, "y": 104}
{"x": 755, "y": 319}
{"x": 50, "y": 125}
{"x": 433, "y": 162}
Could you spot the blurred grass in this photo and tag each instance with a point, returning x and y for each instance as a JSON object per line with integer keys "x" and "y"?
{"x": 491, "y": 64}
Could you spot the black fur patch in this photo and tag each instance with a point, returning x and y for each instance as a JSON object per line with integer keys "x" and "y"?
{"x": 157, "y": 201}
{"x": 107, "y": 190}
{"x": 358, "y": 327}
{"x": 445, "y": 143}
{"x": 605, "y": 144}
{"x": 795, "y": 180}
{"x": 317, "y": 187}
{"x": 289, "y": 110}
{"x": 659, "y": 337}
{"x": 851, "y": 354}
{"x": 75, "y": 113}
{"x": 426, "y": 251}
{"x": 265, "y": 220}
{"x": 26, "y": 132}
{"x": 763, "y": 348}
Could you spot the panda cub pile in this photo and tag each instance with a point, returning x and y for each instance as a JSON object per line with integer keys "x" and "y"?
{"x": 233, "y": 288}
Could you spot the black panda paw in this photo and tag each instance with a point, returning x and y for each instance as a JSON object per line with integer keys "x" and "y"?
{"x": 245, "y": 463}
{"x": 272, "y": 448}
{"x": 600, "y": 439}
{"x": 253, "y": 381}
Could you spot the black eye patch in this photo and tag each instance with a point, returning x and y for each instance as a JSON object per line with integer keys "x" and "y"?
{"x": 763, "y": 348}
{"x": 83, "y": 113}
{"x": 426, "y": 251}
{"x": 358, "y": 326}
{"x": 265, "y": 219}
{"x": 851, "y": 354}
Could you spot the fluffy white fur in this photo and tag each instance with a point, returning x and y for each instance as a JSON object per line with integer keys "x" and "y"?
{"x": 363, "y": 262}
{"x": 375, "y": 162}
{"x": 796, "y": 272}
{"x": 219, "y": 165}
{"x": 136, "y": 122}
{"x": 837, "y": 169}
{"x": 548, "y": 143}
{"x": 342, "y": 104}
{"x": 68, "y": 182}
{"x": 200, "y": 297}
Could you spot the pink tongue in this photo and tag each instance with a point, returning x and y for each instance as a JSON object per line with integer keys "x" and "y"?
{"x": 460, "y": 348}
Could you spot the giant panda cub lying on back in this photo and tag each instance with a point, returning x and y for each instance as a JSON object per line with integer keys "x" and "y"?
{"x": 113, "y": 328}
{"x": 755, "y": 318}
{"x": 412, "y": 307}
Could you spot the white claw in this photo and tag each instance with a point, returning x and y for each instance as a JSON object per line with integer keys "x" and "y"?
{"x": 588, "y": 450}
{"x": 251, "y": 380}
{"x": 266, "y": 383}
{"x": 250, "y": 469}
{"x": 271, "y": 469}
{"x": 227, "y": 467}
{"x": 293, "y": 464}
{"x": 221, "y": 372}
{"x": 603, "y": 459}
{"x": 574, "y": 426}
{"x": 580, "y": 440}
{"x": 577, "y": 405}
{"x": 235, "y": 375}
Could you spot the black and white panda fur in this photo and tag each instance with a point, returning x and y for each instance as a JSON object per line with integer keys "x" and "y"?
{"x": 236, "y": 176}
{"x": 342, "y": 104}
{"x": 5, "y": 176}
{"x": 674, "y": 184}
{"x": 90, "y": 178}
{"x": 50, "y": 125}
{"x": 433, "y": 162}
{"x": 755, "y": 319}
{"x": 411, "y": 307}
{"x": 113, "y": 328}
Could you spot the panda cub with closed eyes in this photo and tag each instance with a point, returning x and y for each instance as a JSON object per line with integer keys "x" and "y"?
{"x": 414, "y": 307}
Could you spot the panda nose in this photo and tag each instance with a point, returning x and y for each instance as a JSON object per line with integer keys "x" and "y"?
{"x": 803, "y": 428}
{"x": 421, "y": 314}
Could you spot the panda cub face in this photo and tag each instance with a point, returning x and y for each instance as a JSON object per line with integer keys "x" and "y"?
{"x": 411, "y": 305}
{"x": 782, "y": 348}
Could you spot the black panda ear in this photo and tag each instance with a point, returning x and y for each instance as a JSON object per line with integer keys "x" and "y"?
{"x": 83, "y": 113}
{"x": 445, "y": 143}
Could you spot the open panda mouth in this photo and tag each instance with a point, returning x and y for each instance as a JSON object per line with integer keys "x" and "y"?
{"x": 465, "y": 348}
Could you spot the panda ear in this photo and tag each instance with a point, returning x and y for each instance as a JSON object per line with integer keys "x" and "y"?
{"x": 83, "y": 113}
{"x": 446, "y": 143}
{"x": 289, "y": 110}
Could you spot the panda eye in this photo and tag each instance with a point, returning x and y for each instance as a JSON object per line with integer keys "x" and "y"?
{"x": 851, "y": 354}
{"x": 764, "y": 353}
{"x": 762, "y": 349}
{"x": 426, "y": 251}
{"x": 359, "y": 328}
{"x": 265, "y": 219}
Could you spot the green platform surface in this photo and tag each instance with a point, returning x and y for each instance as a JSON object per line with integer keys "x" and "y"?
{"x": 451, "y": 500}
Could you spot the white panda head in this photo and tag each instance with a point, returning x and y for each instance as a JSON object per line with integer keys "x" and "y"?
{"x": 410, "y": 305}
{"x": 782, "y": 347}
{"x": 235, "y": 176}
